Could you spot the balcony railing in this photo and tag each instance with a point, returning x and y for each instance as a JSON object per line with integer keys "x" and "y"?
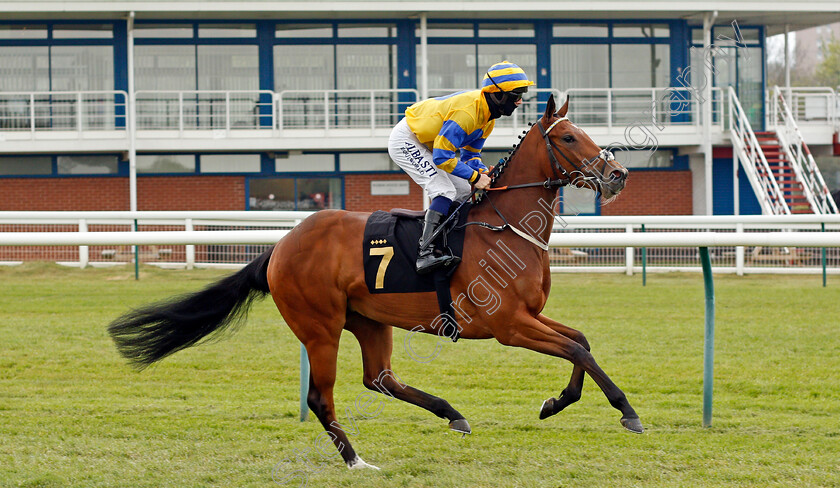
{"x": 63, "y": 111}
{"x": 30, "y": 115}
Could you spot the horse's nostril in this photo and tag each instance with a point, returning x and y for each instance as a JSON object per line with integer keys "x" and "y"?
{"x": 618, "y": 175}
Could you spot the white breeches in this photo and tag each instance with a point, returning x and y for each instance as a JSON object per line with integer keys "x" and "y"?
{"x": 415, "y": 159}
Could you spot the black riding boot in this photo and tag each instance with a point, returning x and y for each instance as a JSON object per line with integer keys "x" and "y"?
{"x": 427, "y": 260}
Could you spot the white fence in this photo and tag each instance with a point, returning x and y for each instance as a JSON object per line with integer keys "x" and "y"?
{"x": 741, "y": 244}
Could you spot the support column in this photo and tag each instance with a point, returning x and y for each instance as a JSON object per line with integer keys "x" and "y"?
{"x": 708, "y": 22}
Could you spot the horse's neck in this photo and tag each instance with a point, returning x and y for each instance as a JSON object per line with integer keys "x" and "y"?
{"x": 529, "y": 210}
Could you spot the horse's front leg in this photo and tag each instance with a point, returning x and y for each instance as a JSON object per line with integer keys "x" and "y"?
{"x": 530, "y": 333}
{"x": 572, "y": 392}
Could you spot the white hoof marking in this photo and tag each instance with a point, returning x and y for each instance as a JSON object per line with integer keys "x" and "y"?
{"x": 359, "y": 463}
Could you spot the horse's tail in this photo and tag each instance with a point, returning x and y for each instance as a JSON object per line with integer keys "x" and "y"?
{"x": 151, "y": 333}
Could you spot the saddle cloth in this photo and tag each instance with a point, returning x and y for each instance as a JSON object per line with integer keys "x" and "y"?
{"x": 390, "y": 251}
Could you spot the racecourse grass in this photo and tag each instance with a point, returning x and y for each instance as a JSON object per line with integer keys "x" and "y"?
{"x": 72, "y": 413}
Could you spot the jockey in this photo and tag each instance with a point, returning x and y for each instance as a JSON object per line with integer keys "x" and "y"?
{"x": 424, "y": 143}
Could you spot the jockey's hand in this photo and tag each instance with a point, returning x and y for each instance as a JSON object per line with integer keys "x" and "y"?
{"x": 483, "y": 182}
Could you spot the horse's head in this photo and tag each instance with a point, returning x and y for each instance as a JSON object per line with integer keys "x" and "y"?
{"x": 573, "y": 155}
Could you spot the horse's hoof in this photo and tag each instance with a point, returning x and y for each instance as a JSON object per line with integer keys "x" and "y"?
{"x": 634, "y": 425}
{"x": 461, "y": 426}
{"x": 547, "y": 409}
{"x": 359, "y": 463}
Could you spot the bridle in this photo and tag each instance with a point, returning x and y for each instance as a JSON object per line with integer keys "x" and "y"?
{"x": 561, "y": 178}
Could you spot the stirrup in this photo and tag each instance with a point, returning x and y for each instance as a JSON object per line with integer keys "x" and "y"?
{"x": 428, "y": 262}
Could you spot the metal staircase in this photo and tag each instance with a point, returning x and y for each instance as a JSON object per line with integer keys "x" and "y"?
{"x": 750, "y": 153}
{"x": 778, "y": 164}
{"x": 808, "y": 182}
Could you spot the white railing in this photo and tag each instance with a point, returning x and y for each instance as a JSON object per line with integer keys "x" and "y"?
{"x": 63, "y": 111}
{"x": 752, "y": 158}
{"x": 342, "y": 109}
{"x": 205, "y": 110}
{"x": 808, "y": 106}
{"x": 673, "y": 106}
{"x": 803, "y": 164}
{"x": 743, "y": 244}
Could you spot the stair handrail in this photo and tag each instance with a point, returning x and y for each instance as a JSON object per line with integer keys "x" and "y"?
{"x": 772, "y": 199}
{"x": 803, "y": 163}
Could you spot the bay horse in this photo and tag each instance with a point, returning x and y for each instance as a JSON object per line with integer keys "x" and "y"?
{"x": 316, "y": 278}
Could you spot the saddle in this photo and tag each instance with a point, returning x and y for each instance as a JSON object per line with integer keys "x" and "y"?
{"x": 390, "y": 252}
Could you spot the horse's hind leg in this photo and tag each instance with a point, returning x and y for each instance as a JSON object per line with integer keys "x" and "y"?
{"x": 323, "y": 353}
{"x": 572, "y": 392}
{"x": 376, "y": 341}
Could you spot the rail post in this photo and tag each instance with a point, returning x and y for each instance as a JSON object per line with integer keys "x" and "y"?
{"x": 709, "y": 341}
{"x": 304, "y": 383}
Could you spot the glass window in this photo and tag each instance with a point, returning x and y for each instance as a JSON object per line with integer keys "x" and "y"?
{"x": 228, "y": 68}
{"x": 366, "y": 67}
{"x": 76, "y": 68}
{"x": 302, "y": 163}
{"x": 171, "y": 31}
{"x": 94, "y": 165}
{"x": 580, "y": 66}
{"x": 644, "y": 158}
{"x": 506, "y": 30}
{"x": 83, "y": 31}
{"x": 165, "y": 68}
{"x": 25, "y": 165}
{"x": 367, "y": 30}
{"x": 697, "y": 36}
{"x": 166, "y": 163}
{"x": 23, "y": 69}
{"x": 451, "y": 68}
{"x": 580, "y": 30}
{"x": 227, "y": 30}
{"x": 366, "y": 162}
{"x": 311, "y": 68}
{"x": 296, "y": 31}
{"x": 447, "y": 30}
{"x": 23, "y": 32}
{"x": 641, "y": 30}
{"x": 230, "y": 163}
{"x": 294, "y": 193}
{"x": 577, "y": 201}
{"x": 640, "y": 65}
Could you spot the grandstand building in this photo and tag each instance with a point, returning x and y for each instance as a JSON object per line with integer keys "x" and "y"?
{"x": 261, "y": 105}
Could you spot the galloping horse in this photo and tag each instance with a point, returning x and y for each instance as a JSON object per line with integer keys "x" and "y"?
{"x": 316, "y": 278}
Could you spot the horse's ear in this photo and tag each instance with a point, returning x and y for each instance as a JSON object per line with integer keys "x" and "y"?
{"x": 549, "y": 110}
{"x": 565, "y": 108}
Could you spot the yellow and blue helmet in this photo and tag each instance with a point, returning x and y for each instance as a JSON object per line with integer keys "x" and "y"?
{"x": 505, "y": 76}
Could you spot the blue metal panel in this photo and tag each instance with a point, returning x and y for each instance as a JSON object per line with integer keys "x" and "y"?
{"x": 723, "y": 198}
{"x": 265, "y": 55}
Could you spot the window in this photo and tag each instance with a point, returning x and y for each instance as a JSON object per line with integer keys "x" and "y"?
{"x": 641, "y": 30}
{"x": 641, "y": 65}
{"x": 366, "y": 30}
{"x": 89, "y": 165}
{"x": 166, "y": 163}
{"x": 366, "y": 162}
{"x": 172, "y": 31}
{"x": 577, "y": 201}
{"x": 83, "y": 31}
{"x": 644, "y": 158}
{"x": 294, "y": 193}
{"x": 505, "y": 30}
{"x": 447, "y": 30}
{"x": 230, "y": 163}
{"x": 227, "y": 30}
{"x": 302, "y": 163}
{"x": 23, "y": 32}
{"x": 297, "y": 31}
{"x": 25, "y": 165}
{"x": 580, "y": 30}
{"x": 580, "y": 66}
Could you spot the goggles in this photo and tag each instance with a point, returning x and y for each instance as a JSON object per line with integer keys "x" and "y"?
{"x": 515, "y": 95}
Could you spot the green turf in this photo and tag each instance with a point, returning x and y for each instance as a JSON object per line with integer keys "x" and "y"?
{"x": 225, "y": 414}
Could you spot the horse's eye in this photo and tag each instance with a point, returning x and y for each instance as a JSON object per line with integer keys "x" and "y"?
{"x": 568, "y": 139}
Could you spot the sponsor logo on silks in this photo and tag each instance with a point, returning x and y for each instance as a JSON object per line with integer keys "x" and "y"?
{"x": 415, "y": 157}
